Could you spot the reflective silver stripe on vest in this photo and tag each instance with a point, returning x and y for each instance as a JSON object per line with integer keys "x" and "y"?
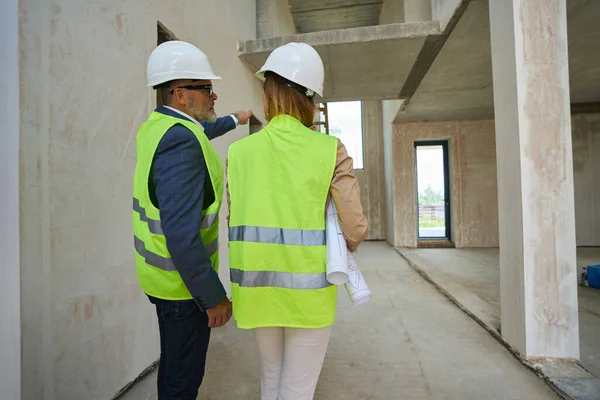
{"x": 285, "y": 280}
{"x": 166, "y": 264}
{"x": 212, "y": 247}
{"x": 163, "y": 263}
{"x": 209, "y": 220}
{"x": 153, "y": 224}
{"x": 260, "y": 234}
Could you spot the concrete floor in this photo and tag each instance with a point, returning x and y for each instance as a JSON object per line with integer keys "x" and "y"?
{"x": 472, "y": 276}
{"x": 408, "y": 342}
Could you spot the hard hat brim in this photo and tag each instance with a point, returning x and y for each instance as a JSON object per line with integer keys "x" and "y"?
{"x": 170, "y": 76}
{"x": 261, "y": 75}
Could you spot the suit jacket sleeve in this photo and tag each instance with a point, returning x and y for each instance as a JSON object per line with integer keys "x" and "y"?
{"x": 179, "y": 173}
{"x": 218, "y": 128}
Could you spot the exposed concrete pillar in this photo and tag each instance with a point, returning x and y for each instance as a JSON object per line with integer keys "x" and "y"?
{"x": 262, "y": 19}
{"x": 372, "y": 178}
{"x": 417, "y": 10}
{"x": 389, "y": 111}
{"x": 10, "y": 285}
{"x": 535, "y": 177}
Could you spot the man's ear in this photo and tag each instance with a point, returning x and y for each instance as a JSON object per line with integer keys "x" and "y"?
{"x": 179, "y": 96}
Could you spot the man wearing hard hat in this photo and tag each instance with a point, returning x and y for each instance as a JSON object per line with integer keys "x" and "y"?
{"x": 178, "y": 189}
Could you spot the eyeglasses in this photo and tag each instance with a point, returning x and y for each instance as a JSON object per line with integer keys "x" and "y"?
{"x": 196, "y": 87}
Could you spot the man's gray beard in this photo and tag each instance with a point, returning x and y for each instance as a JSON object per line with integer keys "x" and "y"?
{"x": 207, "y": 116}
{"x": 212, "y": 117}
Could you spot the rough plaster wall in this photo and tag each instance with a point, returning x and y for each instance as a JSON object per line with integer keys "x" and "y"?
{"x": 474, "y": 211}
{"x": 87, "y": 328}
{"x": 586, "y": 168}
{"x": 392, "y": 12}
{"x": 474, "y": 186}
{"x": 10, "y": 293}
{"x": 372, "y": 178}
{"x": 389, "y": 111}
{"x": 477, "y": 186}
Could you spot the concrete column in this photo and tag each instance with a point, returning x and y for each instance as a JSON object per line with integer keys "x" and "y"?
{"x": 535, "y": 177}
{"x": 10, "y": 285}
{"x": 262, "y": 19}
{"x": 372, "y": 178}
{"x": 389, "y": 111}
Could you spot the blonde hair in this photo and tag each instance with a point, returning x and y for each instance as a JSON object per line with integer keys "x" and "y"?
{"x": 279, "y": 99}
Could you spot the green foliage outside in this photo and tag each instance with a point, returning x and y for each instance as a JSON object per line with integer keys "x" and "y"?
{"x": 429, "y": 197}
{"x": 431, "y": 223}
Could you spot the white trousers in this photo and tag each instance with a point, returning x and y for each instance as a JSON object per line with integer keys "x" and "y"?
{"x": 291, "y": 361}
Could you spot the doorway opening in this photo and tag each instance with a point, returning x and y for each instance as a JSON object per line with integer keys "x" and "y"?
{"x": 344, "y": 121}
{"x": 433, "y": 191}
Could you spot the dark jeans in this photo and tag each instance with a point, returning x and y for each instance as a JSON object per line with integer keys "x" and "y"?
{"x": 184, "y": 337}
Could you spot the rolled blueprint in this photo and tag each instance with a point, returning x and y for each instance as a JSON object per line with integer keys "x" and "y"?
{"x": 337, "y": 252}
{"x": 357, "y": 287}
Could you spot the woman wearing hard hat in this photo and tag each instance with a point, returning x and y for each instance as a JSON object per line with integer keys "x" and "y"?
{"x": 279, "y": 182}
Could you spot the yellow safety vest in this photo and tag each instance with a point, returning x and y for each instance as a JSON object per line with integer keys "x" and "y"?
{"x": 156, "y": 272}
{"x": 279, "y": 180}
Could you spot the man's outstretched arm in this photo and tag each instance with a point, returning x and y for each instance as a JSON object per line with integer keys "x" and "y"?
{"x": 225, "y": 124}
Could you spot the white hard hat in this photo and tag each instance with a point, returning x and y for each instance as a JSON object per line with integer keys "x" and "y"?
{"x": 177, "y": 60}
{"x": 299, "y": 63}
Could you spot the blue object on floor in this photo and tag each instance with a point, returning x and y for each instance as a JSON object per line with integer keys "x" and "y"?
{"x": 593, "y": 276}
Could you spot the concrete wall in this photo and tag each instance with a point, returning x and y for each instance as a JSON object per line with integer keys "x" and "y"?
{"x": 586, "y": 169}
{"x": 10, "y": 293}
{"x": 442, "y": 10}
{"x": 474, "y": 188}
{"x": 243, "y": 12}
{"x": 87, "y": 327}
{"x": 398, "y": 11}
{"x": 474, "y": 210}
{"x": 417, "y": 10}
{"x": 281, "y": 22}
{"x": 392, "y": 12}
{"x": 372, "y": 178}
{"x": 274, "y": 18}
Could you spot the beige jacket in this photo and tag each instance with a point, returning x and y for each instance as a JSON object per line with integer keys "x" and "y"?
{"x": 346, "y": 195}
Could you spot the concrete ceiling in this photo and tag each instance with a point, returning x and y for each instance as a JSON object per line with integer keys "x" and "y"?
{"x": 445, "y": 75}
{"x": 459, "y": 83}
{"x": 324, "y": 15}
{"x": 369, "y": 63}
